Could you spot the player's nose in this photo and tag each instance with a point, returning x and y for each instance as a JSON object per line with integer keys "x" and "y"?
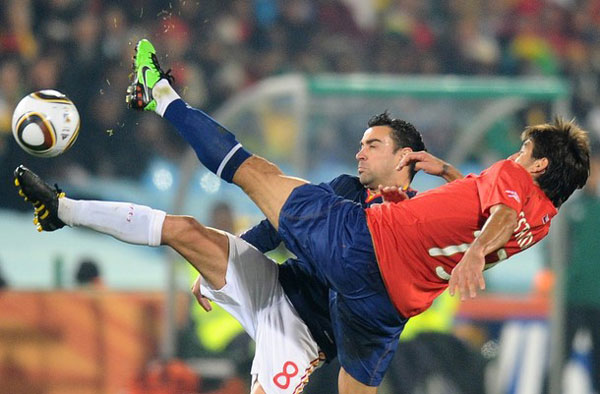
{"x": 360, "y": 155}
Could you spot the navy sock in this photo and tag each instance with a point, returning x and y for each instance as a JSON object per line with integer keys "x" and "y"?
{"x": 215, "y": 146}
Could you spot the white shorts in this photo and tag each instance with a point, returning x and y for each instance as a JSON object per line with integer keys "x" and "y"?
{"x": 286, "y": 353}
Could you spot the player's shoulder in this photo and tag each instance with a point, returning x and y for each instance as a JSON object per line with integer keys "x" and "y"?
{"x": 345, "y": 178}
{"x": 508, "y": 167}
{"x": 346, "y": 182}
{"x": 508, "y": 164}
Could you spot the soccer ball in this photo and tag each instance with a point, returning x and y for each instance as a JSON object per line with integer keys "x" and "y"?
{"x": 45, "y": 123}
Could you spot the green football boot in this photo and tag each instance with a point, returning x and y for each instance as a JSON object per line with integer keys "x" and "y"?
{"x": 147, "y": 73}
{"x": 43, "y": 197}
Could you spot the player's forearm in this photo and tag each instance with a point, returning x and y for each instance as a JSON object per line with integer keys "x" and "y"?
{"x": 496, "y": 232}
{"x": 450, "y": 173}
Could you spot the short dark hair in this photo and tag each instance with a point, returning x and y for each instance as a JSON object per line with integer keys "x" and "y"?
{"x": 404, "y": 135}
{"x": 567, "y": 148}
{"x": 87, "y": 272}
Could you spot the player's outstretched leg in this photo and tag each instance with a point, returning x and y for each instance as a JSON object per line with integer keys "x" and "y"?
{"x": 205, "y": 248}
{"x": 215, "y": 146}
{"x": 128, "y": 222}
{"x": 43, "y": 197}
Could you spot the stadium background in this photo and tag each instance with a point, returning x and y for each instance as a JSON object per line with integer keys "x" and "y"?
{"x": 58, "y": 336}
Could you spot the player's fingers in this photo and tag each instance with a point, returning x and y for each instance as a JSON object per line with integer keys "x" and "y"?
{"x": 391, "y": 191}
{"x": 205, "y": 303}
{"x": 462, "y": 286}
{"x": 196, "y": 287}
{"x": 451, "y": 287}
{"x": 401, "y": 164}
{"x": 393, "y": 194}
{"x": 407, "y": 159}
{"x": 386, "y": 191}
{"x": 202, "y": 301}
{"x": 481, "y": 281}
{"x": 453, "y": 284}
{"x": 472, "y": 285}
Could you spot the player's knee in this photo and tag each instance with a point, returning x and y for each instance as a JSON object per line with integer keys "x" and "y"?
{"x": 256, "y": 166}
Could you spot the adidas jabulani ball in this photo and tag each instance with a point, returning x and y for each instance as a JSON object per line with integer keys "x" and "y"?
{"x": 45, "y": 123}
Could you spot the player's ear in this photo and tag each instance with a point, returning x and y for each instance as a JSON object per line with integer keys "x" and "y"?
{"x": 404, "y": 151}
{"x": 540, "y": 165}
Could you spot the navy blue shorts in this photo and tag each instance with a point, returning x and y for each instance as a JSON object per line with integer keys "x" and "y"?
{"x": 330, "y": 235}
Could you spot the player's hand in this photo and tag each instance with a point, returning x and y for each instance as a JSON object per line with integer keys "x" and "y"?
{"x": 467, "y": 276}
{"x": 392, "y": 194}
{"x": 424, "y": 161}
{"x": 203, "y": 301}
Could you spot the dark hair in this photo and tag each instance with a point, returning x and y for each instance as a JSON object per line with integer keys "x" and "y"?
{"x": 87, "y": 272}
{"x": 567, "y": 148}
{"x": 404, "y": 135}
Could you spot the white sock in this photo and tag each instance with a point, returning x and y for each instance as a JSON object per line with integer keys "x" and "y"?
{"x": 135, "y": 224}
{"x": 164, "y": 95}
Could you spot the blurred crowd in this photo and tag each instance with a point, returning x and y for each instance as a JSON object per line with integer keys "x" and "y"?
{"x": 217, "y": 48}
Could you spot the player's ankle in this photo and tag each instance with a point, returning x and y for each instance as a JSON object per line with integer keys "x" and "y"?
{"x": 67, "y": 210}
{"x": 164, "y": 94}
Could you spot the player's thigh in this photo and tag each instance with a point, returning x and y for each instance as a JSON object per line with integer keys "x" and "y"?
{"x": 251, "y": 284}
{"x": 286, "y": 353}
{"x": 331, "y": 236}
{"x": 266, "y": 185}
{"x": 348, "y": 385}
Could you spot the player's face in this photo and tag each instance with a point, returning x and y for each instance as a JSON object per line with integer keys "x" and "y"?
{"x": 377, "y": 160}
{"x": 525, "y": 158}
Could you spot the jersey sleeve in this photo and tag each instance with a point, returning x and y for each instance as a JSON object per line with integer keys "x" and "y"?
{"x": 344, "y": 185}
{"x": 506, "y": 182}
{"x": 263, "y": 236}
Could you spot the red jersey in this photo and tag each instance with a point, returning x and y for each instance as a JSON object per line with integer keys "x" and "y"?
{"x": 419, "y": 241}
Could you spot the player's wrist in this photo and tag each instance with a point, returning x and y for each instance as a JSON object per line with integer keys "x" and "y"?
{"x": 450, "y": 173}
{"x": 476, "y": 250}
{"x": 445, "y": 167}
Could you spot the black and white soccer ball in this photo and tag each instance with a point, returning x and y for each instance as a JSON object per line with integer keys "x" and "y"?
{"x": 45, "y": 123}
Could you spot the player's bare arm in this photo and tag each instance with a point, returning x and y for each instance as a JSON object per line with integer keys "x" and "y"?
{"x": 467, "y": 276}
{"x": 431, "y": 165}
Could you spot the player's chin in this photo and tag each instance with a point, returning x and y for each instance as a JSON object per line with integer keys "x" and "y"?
{"x": 364, "y": 178}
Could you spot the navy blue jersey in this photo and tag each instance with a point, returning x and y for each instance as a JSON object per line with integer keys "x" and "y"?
{"x": 307, "y": 289}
